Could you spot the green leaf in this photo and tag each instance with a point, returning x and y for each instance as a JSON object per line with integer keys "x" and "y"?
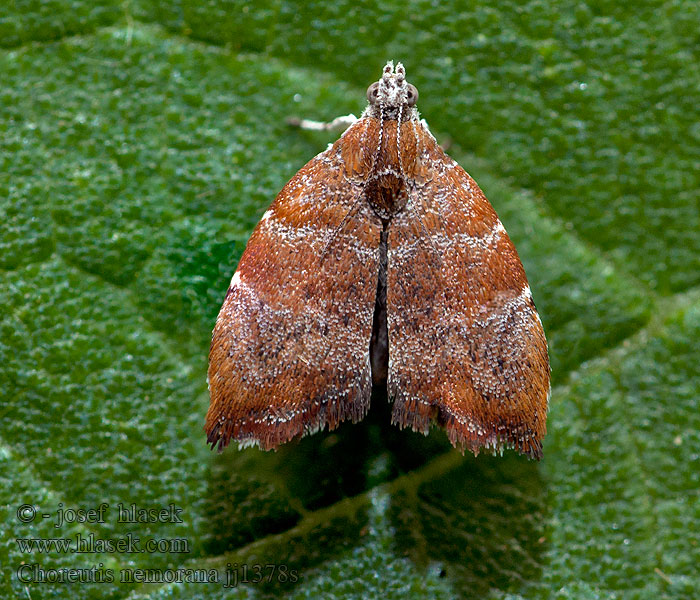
{"x": 136, "y": 159}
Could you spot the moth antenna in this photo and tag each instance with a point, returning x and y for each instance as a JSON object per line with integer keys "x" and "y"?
{"x": 379, "y": 137}
{"x": 398, "y": 140}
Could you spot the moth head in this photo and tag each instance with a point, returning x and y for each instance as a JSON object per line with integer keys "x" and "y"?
{"x": 392, "y": 95}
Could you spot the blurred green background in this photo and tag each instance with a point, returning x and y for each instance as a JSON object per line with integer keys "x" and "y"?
{"x": 140, "y": 143}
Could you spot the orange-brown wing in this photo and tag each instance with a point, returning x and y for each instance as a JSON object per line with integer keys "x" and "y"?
{"x": 290, "y": 349}
{"x": 466, "y": 345}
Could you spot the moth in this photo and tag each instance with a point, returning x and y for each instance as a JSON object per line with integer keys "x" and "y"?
{"x": 380, "y": 262}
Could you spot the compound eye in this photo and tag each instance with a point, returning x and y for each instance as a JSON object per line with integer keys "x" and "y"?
{"x": 373, "y": 93}
{"x": 411, "y": 95}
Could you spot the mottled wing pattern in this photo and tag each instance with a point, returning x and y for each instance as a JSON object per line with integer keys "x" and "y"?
{"x": 290, "y": 349}
{"x": 466, "y": 346}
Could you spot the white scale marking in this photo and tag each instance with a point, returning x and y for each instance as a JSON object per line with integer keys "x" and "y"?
{"x": 443, "y": 241}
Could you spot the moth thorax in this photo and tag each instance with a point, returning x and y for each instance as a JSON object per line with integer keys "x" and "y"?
{"x": 387, "y": 195}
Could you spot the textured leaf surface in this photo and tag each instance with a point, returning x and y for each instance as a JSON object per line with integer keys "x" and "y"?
{"x": 140, "y": 142}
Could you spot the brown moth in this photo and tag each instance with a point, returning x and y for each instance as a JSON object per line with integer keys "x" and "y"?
{"x": 382, "y": 262}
